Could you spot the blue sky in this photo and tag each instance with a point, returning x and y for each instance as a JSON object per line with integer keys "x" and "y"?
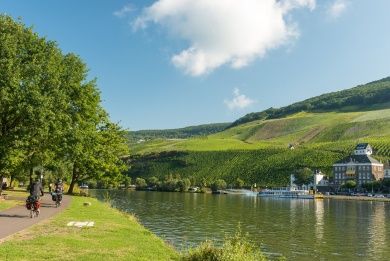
{"x": 175, "y": 63}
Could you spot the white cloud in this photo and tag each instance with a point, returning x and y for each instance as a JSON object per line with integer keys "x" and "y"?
{"x": 233, "y": 32}
{"x": 239, "y": 101}
{"x": 124, "y": 11}
{"x": 337, "y": 8}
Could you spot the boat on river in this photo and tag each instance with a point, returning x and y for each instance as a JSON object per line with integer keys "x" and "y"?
{"x": 239, "y": 192}
{"x": 289, "y": 192}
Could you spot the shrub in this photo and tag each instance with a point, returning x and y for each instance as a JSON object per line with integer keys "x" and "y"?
{"x": 218, "y": 184}
{"x": 140, "y": 183}
{"x": 234, "y": 248}
{"x": 184, "y": 185}
{"x": 239, "y": 183}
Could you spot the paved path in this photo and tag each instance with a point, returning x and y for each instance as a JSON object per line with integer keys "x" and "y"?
{"x": 18, "y": 218}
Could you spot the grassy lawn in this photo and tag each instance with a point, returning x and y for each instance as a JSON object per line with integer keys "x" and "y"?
{"x": 5, "y": 204}
{"x": 115, "y": 236}
{"x": 22, "y": 193}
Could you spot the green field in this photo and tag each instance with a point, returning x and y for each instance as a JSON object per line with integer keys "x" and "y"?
{"x": 257, "y": 151}
{"x": 5, "y": 204}
{"x": 115, "y": 236}
{"x": 298, "y": 129}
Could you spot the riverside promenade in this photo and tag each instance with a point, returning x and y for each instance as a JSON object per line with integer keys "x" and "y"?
{"x": 18, "y": 218}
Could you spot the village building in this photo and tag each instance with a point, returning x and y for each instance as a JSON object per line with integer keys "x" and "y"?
{"x": 360, "y": 167}
{"x": 319, "y": 183}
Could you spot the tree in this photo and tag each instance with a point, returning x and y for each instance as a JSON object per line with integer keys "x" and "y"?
{"x": 92, "y": 144}
{"x": 303, "y": 176}
{"x": 184, "y": 184}
{"x": 170, "y": 184}
{"x": 239, "y": 183}
{"x": 30, "y": 90}
{"x": 218, "y": 185}
{"x": 153, "y": 181}
{"x": 50, "y": 114}
{"x": 126, "y": 181}
{"x": 350, "y": 184}
{"x": 140, "y": 183}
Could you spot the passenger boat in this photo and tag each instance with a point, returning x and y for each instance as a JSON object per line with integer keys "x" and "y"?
{"x": 286, "y": 193}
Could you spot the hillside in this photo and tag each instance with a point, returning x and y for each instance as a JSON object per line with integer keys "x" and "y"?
{"x": 363, "y": 97}
{"x": 258, "y": 151}
{"x": 180, "y": 133}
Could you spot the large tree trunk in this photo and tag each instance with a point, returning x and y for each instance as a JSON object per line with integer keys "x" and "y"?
{"x": 74, "y": 179}
{"x": 11, "y": 181}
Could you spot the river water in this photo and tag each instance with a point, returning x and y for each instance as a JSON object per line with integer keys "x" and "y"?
{"x": 297, "y": 229}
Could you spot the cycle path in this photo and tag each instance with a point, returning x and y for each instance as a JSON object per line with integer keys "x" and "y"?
{"x": 18, "y": 218}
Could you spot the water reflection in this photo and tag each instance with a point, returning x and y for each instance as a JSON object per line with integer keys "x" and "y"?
{"x": 319, "y": 216}
{"x": 298, "y": 229}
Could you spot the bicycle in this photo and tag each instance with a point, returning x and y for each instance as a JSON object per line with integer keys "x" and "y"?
{"x": 57, "y": 197}
{"x": 33, "y": 204}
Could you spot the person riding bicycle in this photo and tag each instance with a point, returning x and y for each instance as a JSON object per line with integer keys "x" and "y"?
{"x": 36, "y": 191}
{"x": 59, "y": 189}
{"x": 59, "y": 186}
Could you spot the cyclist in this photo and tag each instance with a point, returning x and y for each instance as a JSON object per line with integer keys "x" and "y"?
{"x": 36, "y": 191}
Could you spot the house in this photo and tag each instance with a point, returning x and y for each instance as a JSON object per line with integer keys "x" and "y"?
{"x": 360, "y": 167}
{"x": 320, "y": 179}
{"x": 319, "y": 182}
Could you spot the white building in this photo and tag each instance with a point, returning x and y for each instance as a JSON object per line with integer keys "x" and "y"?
{"x": 319, "y": 180}
{"x": 363, "y": 149}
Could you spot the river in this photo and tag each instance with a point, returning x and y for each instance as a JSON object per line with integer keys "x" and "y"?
{"x": 296, "y": 229}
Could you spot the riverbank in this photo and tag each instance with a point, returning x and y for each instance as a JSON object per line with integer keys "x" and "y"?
{"x": 114, "y": 236}
{"x": 356, "y": 198}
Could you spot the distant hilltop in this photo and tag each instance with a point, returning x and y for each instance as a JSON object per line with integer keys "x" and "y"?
{"x": 372, "y": 95}
{"x": 180, "y": 133}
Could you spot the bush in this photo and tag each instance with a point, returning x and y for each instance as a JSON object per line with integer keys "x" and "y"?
{"x": 239, "y": 183}
{"x": 153, "y": 181}
{"x": 140, "y": 183}
{"x": 169, "y": 185}
{"x": 218, "y": 184}
{"x": 184, "y": 185}
{"x": 234, "y": 248}
{"x": 350, "y": 184}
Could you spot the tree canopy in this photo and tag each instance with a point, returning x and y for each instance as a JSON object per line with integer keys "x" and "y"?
{"x": 51, "y": 114}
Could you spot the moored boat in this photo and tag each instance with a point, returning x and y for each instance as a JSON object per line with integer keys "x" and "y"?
{"x": 286, "y": 193}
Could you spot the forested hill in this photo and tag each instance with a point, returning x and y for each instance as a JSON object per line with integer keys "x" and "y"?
{"x": 181, "y": 133}
{"x": 365, "y": 96}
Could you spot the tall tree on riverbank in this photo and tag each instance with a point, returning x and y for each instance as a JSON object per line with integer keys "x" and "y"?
{"x": 93, "y": 145}
{"x": 29, "y": 84}
{"x": 50, "y": 114}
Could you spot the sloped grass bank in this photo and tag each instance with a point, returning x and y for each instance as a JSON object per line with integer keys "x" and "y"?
{"x": 6, "y": 204}
{"x": 115, "y": 236}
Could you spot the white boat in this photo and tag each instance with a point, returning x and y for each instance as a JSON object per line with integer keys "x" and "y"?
{"x": 286, "y": 193}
